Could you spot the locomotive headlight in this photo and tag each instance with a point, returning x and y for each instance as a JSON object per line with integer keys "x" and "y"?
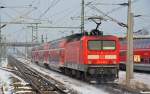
{"x": 110, "y": 56}
{"x": 93, "y": 56}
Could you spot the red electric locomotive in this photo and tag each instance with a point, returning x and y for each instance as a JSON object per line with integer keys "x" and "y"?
{"x": 89, "y": 56}
{"x": 83, "y": 56}
{"x": 141, "y": 53}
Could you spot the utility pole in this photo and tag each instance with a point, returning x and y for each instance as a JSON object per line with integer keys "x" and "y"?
{"x": 46, "y": 38}
{"x": 42, "y": 39}
{"x": 82, "y": 17}
{"x": 35, "y": 33}
{"x": 0, "y": 36}
{"x": 129, "y": 63}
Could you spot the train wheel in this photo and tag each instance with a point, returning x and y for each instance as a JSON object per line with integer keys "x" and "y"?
{"x": 62, "y": 70}
{"x": 67, "y": 71}
{"x": 78, "y": 74}
{"x": 46, "y": 65}
{"x": 36, "y": 62}
{"x": 83, "y": 76}
{"x": 73, "y": 73}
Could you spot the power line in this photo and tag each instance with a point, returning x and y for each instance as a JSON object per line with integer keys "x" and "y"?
{"x": 110, "y": 18}
{"x": 51, "y": 5}
{"x": 60, "y": 12}
{"x": 121, "y": 5}
{"x": 58, "y": 27}
{"x": 67, "y": 15}
{"x": 10, "y": 16}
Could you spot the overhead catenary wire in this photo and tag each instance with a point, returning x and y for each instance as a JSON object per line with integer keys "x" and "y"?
{"x": 53, "y": 3}
{"x": 124, "y": 4}
{"x": 10, "y": 16}
{"x": 121, "y": 5}
{"x": 90, "y": 4}
{"x": 61, "y": 17}
{"x": 14, "y": 19}
{"x": 110, "y": 18}
{"x": 65, "y": 16}
{"x": 60, "y": 12}
{"x": 18, "y": 17}
{"x": 32, "y": 2}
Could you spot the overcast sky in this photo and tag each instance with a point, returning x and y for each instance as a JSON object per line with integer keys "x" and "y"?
{"x": 60, "y": 12}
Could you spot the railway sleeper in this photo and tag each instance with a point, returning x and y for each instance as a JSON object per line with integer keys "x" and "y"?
{"x": 33, "y": 78}
{"x": 47, "y": 88}
{"x": 50, "y": 92}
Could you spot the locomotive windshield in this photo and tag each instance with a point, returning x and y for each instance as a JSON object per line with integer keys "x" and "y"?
{"x": 95, "y": 45}
{"x": 101, "y": 45}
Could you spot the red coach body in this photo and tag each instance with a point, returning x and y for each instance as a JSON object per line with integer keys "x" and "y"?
{"x": 141, "y": 53}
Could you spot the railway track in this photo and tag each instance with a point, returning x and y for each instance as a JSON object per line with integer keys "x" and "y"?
{"x": 111, "y": 88}
{"x": 40, "y": 83}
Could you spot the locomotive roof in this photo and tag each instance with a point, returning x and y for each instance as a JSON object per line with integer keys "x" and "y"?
{"x": 69, "y": 38}
{"x": 78, "y": 36}
{"x": 73, "y": 37}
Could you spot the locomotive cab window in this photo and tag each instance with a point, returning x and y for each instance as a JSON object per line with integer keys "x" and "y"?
{"x": 101, "y": 45}
{"x": 109, "y": 45}
{"x": 94, "y": 45}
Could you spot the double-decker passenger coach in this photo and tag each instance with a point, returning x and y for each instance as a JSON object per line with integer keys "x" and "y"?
{"x": 141, "y": 53}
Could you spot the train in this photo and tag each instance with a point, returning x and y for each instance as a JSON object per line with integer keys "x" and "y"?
{"x": 141, "y": 53}
{"x": 90, "y": 56}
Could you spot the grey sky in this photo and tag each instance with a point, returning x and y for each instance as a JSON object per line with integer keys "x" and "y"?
{"x": 60, "y": 14}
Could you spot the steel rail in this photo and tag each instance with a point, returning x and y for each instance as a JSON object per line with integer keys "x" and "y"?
{"x": 37, "y": 80}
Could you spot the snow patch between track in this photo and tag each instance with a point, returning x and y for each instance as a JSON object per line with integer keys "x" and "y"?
{"x": 76, "y": 85}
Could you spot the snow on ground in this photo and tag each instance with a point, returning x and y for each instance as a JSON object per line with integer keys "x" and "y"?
{"x": 79, "y": 86}
{"x": 5, "y": 80}
{"x": 140, "y": 80}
